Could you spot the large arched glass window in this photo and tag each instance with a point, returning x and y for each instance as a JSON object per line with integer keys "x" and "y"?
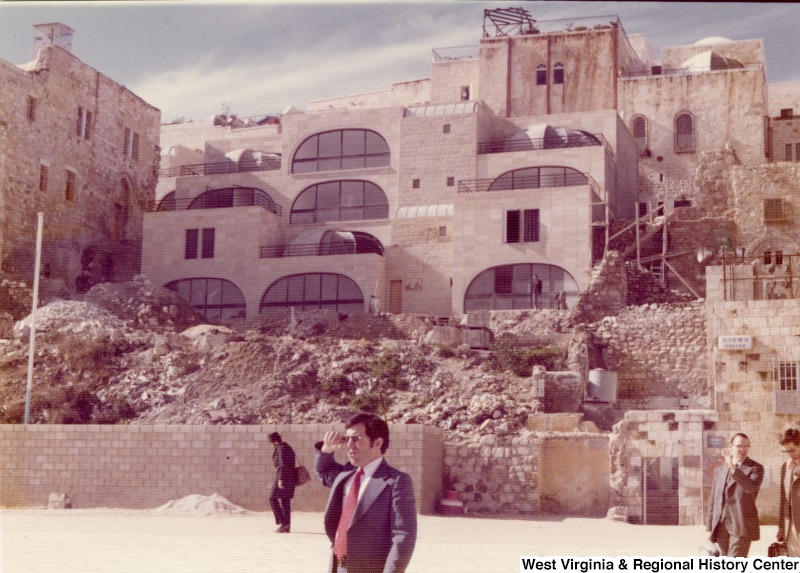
{"x": 346, "y": 200}
{"x": 341, "y": 149}
{"x": 509, "y": 287}
{"x": 684, "y": 132}
{"x": 537, "y": 177}
{"x": 639, "y": 128}
{"x": 313, "y": 291}
{"x": 215, "y": 298}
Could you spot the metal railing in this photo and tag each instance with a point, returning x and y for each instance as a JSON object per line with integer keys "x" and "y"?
{"x": 218, "y": 167}
{"x": 565, "y": 179}
{"x": 218, "y": 199}
{"x": 671, "y": 72}
{"x": 768, "y": 277}
{"x": 456, "y": 53}
{"x": 313, "y": 250}
{"x": 540, "y": 143}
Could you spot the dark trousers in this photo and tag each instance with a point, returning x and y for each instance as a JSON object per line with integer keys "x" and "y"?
{"x": 731, "y": 545}
{"x": 281, "y": 506}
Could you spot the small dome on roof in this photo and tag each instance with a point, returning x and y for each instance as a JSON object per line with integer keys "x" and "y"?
{"x": 713, "y": 40}
{"x": 708, "y": 61}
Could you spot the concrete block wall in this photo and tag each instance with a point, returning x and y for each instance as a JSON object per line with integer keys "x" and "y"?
{"x": 142, "y": 467}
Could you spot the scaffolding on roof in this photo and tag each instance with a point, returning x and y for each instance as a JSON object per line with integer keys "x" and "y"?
{"x": 508, "y": 22}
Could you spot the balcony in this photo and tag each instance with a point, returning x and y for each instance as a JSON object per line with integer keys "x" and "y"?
{"x": 246, "y": 163}
{"x": 319, "y": 243}
{"x": 552, "y": 138}
{"x": 218, "y": 199}
{"x": 553, "y": 177}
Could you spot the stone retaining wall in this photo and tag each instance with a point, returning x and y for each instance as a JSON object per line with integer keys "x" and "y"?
{"x": 142, "y": 467}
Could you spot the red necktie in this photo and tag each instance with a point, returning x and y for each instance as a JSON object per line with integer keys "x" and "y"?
{"x": 340, "y": 544}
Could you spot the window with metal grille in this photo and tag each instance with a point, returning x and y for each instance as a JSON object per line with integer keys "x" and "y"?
{"x": 558, "y": 73}
{"x": 684, "y": 132}
{"x": 786, "y": 375}
{"x": 541, "y": 75}
{"x": 773, "y": 210}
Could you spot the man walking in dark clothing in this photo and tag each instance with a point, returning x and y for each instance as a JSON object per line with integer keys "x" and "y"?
{"x": 536, "y": 291}
{"x": 282, "y": 492}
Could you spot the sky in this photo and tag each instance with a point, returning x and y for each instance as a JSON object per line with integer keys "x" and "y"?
{"x": 193, "y": 60}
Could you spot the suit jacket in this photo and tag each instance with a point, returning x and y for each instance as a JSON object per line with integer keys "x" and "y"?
{"x": 284, "y": 459}
{"x": 784, "y": 506}
{"x": 739, "y": 498}
{"x": 383, "y": 530}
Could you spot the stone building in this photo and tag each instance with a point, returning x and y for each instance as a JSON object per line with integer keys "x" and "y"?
{"x": 81, "y": 149}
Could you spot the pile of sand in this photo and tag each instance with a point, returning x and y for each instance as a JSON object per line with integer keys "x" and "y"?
{"x": 201, "y": 505}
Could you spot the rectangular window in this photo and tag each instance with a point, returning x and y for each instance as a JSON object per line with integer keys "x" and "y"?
{"x": 786, "y": 375}
{"x": 558, "y": 75}
{"x": 773, "y": 210}
{"x": 190, "y": 251}
{"x": 69, "y": 192}
{"x": 43, "y": 176}
{"x": 87, "y": 126}
{"x": 31, "y": 111}
{"x": 541, "y": 76}
{"x": 767, "y": 257}
{"x": 788, "y": 152}
{"x": 451, "y": 181}
{"x": 79, "y": 123}
{"x": 531, "y": 225}
{"x": 135, "y": 147}
{"x": 442, "y": 231}
{"x": 415, "y": 184}
{"x": 126, "y": 143}
{"x": 464, "y": 93}
{"x": 208, "y": 243}
{"x": 446, "y": 128}
{"x": 797, "y": 151}
{"x": 787, "y": 112}
{"x": 513, "y": 227}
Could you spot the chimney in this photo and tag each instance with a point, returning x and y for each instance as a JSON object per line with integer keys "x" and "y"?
{"x": 52, "y": 35}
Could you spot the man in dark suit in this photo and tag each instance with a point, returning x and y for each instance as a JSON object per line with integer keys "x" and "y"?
{"x": 732, "y": 516}
{"x": 282, "y": 492}
{"x": 371, "y": 514}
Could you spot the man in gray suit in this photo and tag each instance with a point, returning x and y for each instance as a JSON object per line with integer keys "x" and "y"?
{"x": 371, "y": 515}
{"x": 732, "y": 515}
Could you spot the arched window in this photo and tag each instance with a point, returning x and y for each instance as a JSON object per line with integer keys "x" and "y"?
{"x": 639, "y": 128}
{"x": 508, "y": 287}
{"x": 215, "y": 298}
{"x": 538, "y": 177}
{"x": 341, "y": 149}
{"x": 558, "y": 73}
{"x": 684, "y": 132}
{"x": 235, "y": 197}
{"x": 345, "y": 200}
{"x": 167, "y": 202}
{"x": 541, "y": 75}
{"x": 313, "y": 291}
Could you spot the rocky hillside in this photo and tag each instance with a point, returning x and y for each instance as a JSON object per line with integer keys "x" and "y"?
{"x": 135, "y": 353}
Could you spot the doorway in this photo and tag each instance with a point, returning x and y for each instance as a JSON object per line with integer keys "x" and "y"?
{"x": 660, "y": 492}
{"x": 395, "y": 297}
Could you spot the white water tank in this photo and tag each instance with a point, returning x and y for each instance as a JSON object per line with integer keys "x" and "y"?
{"x": 603, "y": 385}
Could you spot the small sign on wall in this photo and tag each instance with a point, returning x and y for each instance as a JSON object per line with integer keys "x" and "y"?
{"x": 715, "y": 442}
{"x": 735, "y": 342}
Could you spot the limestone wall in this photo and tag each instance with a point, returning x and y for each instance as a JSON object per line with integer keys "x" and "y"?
{"x": 565, "y": 473}
{"x": 659, "y": 353}
{"x": 143, "y": 467}
{"x": 103, "y": 210}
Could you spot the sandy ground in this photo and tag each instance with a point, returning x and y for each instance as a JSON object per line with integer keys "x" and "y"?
{"x": 120, "y": 541}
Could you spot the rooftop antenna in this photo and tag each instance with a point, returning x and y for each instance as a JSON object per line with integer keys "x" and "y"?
{"x": 500, "y": 22}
